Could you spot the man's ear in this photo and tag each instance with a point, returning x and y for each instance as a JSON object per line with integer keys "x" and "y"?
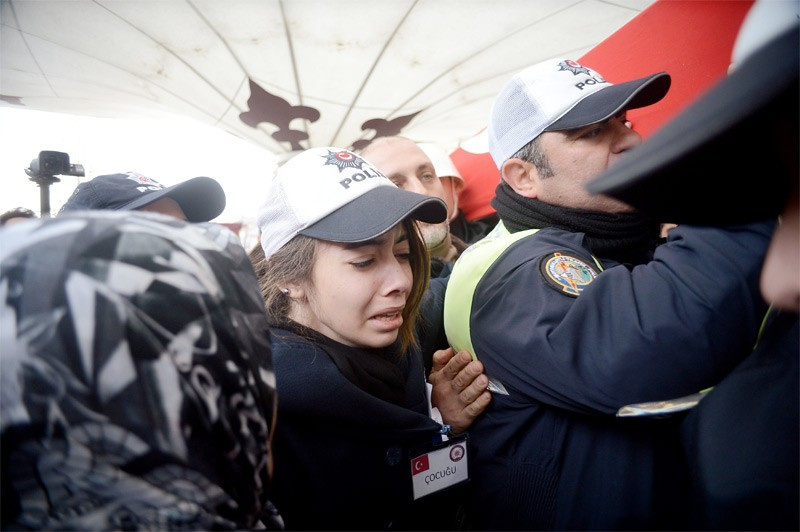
{"x": 521, "y": 176}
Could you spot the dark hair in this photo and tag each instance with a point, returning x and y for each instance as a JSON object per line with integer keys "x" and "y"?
{"x": 290, "y": 264}
{"x": 16, "y": 212}
{"x": 533, "y": 153}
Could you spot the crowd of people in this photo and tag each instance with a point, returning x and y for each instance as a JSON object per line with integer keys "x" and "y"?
{"x": 376, "y": 362}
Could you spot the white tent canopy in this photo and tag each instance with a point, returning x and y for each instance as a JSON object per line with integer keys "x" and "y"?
{"x": 289, "y": 75}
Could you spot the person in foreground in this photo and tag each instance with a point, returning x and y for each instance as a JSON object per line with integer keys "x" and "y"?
{"x": 459, "y": 388}
{"x": 137, "y": 384}
{"x": 596, "y": 340}
{"x": 344, "y": 274}
{"x": 742, "y": 439}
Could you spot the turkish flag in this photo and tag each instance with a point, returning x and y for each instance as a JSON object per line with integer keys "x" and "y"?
{"x": 419, "y": 464}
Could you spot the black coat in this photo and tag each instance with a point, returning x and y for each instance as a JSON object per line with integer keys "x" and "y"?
{"x": 742, "y": 439}
{"x": 552, "y": 454}
{"x": 342, "y": 455}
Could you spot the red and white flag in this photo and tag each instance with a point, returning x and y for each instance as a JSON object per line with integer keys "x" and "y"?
{"x": 420, "y": 464}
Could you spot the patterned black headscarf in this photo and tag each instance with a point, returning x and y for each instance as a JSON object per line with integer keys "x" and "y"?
{"x": 136, "y": 376}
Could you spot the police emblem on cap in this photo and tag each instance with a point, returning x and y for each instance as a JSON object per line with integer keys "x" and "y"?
{"x": 343, "y": 159}
{"x": 144, "y": 180}
{"x": 566, "y": 273}
{"x": 573, "y": 67}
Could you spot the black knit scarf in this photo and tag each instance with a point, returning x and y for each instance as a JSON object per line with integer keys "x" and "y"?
{"x": 375, "y": 371}
{"x": 628, "y": 238}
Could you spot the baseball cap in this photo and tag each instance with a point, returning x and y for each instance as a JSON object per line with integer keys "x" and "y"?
{"x": 201, "y": 198}
{"x": 731, "y": 156}
{"x": 560, "y": 94}
{"x": 333, "y": 194}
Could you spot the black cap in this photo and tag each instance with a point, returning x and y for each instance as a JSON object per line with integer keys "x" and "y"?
{"x": 201, "y": 198}
{"x": 730, "y": 157}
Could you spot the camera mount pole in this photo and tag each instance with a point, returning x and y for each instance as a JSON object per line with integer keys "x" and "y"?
{"x": 43, "y": 172}
{"x": 44, "y": 183}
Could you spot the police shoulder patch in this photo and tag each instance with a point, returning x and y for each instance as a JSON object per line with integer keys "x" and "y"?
{"x": 566, "y": 273}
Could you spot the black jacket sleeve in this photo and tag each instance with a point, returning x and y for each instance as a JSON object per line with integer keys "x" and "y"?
{"x": 661, "y": 330}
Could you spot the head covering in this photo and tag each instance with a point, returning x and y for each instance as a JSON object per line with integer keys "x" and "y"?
{"x": 442, "y": 162}
{"x": 333, "y": 194}
{"x": 201, "y": 198}
{"x": 136, "y": 373}
{"x": 560, "y": 94}
{"x": 732, "y": 156}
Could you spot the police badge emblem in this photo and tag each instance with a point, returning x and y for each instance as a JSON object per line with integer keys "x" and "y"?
{"x": 566, "y": 273}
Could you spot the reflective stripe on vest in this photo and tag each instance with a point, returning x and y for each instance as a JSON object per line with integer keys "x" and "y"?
{"x": 467, "y": 273}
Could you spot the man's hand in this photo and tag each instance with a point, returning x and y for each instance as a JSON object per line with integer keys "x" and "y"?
{"x": 459, "y": 388}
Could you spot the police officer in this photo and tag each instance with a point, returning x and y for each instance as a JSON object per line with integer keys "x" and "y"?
{"x": 595, "y": 341}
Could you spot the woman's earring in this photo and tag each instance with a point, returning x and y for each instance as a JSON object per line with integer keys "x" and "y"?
{"x": 285, "y": 291}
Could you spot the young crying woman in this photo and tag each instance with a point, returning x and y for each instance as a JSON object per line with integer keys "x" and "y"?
{"x": 343, "y": 275}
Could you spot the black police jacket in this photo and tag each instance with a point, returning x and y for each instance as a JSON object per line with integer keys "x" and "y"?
{"x": 552, "y": 454}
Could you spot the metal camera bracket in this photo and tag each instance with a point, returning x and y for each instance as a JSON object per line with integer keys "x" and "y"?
{"x": 43, "y": 172}
{"x": 49, "y": 164}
